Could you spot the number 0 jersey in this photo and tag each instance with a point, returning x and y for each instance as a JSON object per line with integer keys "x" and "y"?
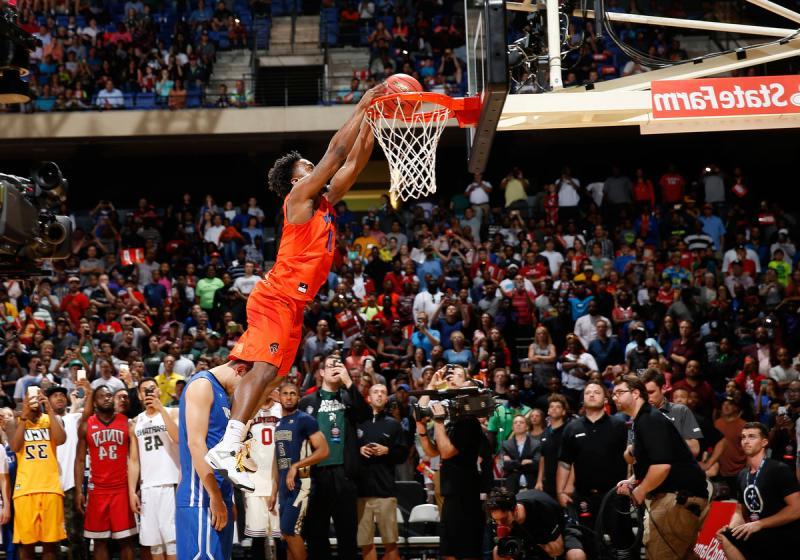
{"x": 158, "y": 454}
{"x": 262, "y": 447}
{"x": 108, "y": 453}
{"x": 37, "y": 465}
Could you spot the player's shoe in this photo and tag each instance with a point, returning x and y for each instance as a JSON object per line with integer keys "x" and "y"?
{"x": 233, "y": 464}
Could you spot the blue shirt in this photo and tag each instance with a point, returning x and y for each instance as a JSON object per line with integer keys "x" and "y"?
{"x": 608, "y": 353}
{"x": 291, "y": 440}
{"x": 446, "y": 329}
{"x": 713, "y": 226}
{"x": 419, "y": 340}
{"x": 580, "y": 307}
{"x": 432, "y": 267}
{"x": 191, "y": 492}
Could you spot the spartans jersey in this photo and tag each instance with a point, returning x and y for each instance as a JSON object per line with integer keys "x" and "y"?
{"x": 158, "y": 454}
{"x": 262, "y": 447}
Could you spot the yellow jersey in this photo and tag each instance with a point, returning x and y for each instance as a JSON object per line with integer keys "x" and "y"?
{"x": 37, "y": 465}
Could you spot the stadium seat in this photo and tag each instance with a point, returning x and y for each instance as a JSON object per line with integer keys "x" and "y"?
{"x": 62, "y": 21}
{"x": 193, "y": 100}
{"x": 129, "y": 100}
{"x": 409, "y": 494}
{"x": 426, "y": 516}
{"x": 146, "y": 101}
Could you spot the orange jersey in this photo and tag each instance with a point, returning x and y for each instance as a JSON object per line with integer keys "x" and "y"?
{"x": 305, "y": 254}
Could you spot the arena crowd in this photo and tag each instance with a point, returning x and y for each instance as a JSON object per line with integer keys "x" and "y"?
{"x": 689, "y": 281}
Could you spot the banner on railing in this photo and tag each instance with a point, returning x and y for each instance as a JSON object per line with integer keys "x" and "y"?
{"x": 725, "y": 97}
{"x": 708, "y": 546}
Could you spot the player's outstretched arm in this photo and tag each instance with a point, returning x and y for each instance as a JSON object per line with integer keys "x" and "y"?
{"x": 338, "y": 150}
{"x": 357, "y": 159}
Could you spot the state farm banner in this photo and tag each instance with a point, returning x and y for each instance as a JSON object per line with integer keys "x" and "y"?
{"x": 725, "y": 97}
{"x": 708, "y": 546}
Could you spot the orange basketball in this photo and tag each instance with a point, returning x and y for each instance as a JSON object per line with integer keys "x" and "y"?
{"x": 401, "y": 83}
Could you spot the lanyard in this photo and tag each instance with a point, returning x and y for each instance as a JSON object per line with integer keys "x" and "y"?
{"x": 758, "y": 472}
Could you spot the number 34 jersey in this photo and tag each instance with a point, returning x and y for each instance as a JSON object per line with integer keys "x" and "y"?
{"x": 108, "y": 453}
{"x": 262, "y": 447}
{"x": 158, "y": 454}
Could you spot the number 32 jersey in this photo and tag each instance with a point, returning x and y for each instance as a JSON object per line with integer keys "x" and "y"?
{"x": 37, "y": 466}
{"x": 108, "y": 453}
{"x": 158, "y": 454}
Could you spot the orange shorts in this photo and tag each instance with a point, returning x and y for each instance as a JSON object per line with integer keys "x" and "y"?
{"x": 274, "y": 328}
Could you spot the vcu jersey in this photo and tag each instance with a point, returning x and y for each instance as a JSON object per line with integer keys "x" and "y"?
{"x": 305, "y": 254}
{"x": 262, "y": 447}
{"x": 158, "y": 454}
{"x": 108, "y": 453}
{"x": 37, "y": 464}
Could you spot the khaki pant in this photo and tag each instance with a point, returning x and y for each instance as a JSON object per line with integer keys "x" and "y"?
{"x": 377, "y": 511}
{"x": 670, "y": 530}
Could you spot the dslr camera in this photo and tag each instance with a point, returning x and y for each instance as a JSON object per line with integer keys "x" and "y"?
{"x": 511, "y": 547}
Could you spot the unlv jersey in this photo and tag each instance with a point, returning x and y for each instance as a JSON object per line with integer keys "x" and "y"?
{"x": 305, "y": 254}
{"x": 108, "y": 453}
{"x": 158, "y": 454}
{"x": 262, "y": 447}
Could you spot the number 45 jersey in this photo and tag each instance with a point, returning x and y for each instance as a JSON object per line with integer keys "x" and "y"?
{"x": 158, "y": 454}
{"x": 108, "y": 453}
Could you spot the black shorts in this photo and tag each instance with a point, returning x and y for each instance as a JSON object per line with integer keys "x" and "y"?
{"x": 461, "y": 526}
{"x": 767, "y": 544}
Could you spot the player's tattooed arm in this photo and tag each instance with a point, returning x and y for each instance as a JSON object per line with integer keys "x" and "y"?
{"x": 357, "y": 159}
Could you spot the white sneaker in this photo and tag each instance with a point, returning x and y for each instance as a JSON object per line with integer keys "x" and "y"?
{"x": 233, "y": 465}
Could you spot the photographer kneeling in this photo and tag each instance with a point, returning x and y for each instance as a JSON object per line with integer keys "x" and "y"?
{"x": 458, "y": 441}
{"x": 532, "y": 525}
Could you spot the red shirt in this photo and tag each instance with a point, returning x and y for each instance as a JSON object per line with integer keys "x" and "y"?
{"x": 75, "y": 305}
{"x": 108, "y": 453}
{"x": 672, "y": 185}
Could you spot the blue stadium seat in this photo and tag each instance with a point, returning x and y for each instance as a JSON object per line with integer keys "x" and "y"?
{"x": 80, "y": 21}
{"x": 193, "y": 100}
{"x": 45, "y": 104}
{"x": 129, "y": 97}
{"x": 146, "y": 101}
{"x": 62, "y": 21}
{"x": 224, "y": 43}
{"x": 213, "y": 36}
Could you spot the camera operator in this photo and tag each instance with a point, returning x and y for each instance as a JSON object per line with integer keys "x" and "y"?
{"x": 767, "y": 518}
{"x": 531, "y": 525}
{"x": 766, "y": 523}
{"x": 592, "y": 448}
{"x": 667, "y": 479}
{"x": 458, "y": 443}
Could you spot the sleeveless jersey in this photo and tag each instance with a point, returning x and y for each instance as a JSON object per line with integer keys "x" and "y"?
{"x": 191, "y": 492}
{"x": 108, "y": 453}
{"x": 262, "y": 447}
{"x": 305, "y": 254}
{"x": 37, "y": 464}
{"x": 158, "y": 454}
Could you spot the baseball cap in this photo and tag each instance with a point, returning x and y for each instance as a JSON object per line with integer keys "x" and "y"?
{"x": 783, "y": 231}
{"x": 404, "y": 387}
{"x": 55, "y": 389}
{"x": 75, "y": 363}
{"x": 213, "y": 334}
{"x": 73, "y": 279}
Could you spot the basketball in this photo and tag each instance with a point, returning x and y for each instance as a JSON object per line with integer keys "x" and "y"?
{"x": 401, "y": 83}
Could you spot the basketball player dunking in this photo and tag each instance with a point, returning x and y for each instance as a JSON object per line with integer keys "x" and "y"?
{"x": 275, "y": 306}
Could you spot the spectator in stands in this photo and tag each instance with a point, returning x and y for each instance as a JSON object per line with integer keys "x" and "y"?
{"x": 110, "y": 97}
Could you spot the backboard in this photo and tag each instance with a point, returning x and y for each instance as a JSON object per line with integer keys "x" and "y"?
{"x": 487, "y": 73}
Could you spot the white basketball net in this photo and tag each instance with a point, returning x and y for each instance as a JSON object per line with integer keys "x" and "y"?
{"x": 409, "y": 141}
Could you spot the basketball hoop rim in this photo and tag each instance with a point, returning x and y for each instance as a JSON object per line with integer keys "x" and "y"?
{"x": 465, "y": 110}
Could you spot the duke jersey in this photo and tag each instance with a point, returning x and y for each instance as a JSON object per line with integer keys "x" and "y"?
{"x": 191, "y": 492}
{"x": 158, "y": 454}
{"x": 262, "y": 447}
{"x": 305, "y": 254}
{"x": 108, "y": 453}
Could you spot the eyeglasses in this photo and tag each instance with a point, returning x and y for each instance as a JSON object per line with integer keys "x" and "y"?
{"x": 619, "y": 393}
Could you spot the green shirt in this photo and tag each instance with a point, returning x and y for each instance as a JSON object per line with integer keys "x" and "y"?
{"x": 502, "y": 420}
{"x": 782, "y": 271}
{"x": 205, "y": 289}
{"x": 330, "y": 418}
